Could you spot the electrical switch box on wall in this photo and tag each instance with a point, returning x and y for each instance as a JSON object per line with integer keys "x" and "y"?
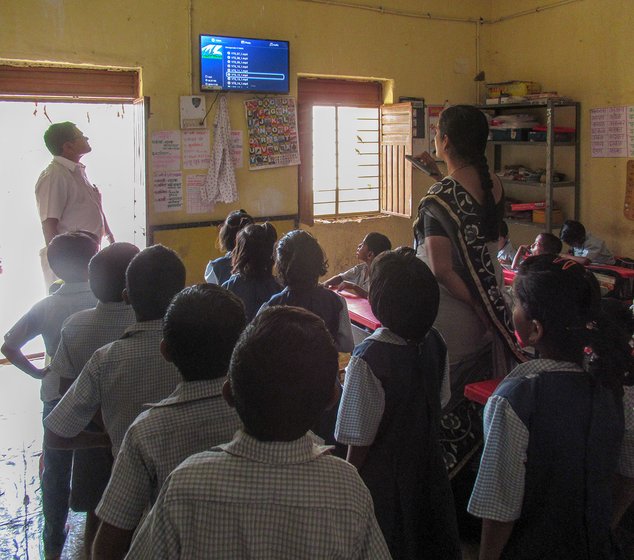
{"x": 193, "y": 109}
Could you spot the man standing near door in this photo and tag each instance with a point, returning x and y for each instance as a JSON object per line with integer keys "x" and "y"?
{"x": 66, "y": 200}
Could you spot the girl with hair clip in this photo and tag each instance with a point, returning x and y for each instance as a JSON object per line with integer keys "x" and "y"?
{"x": 456, "y": 232}
{"x": 218, "y": 271}
{"x": 252, "y": 279}
{"x": 554, "y": 427}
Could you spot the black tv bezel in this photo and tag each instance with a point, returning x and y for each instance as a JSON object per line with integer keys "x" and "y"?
{"x": 260, "y": 91}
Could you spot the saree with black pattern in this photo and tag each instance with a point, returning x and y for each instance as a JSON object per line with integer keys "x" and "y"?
{"x": 477, "y": 349}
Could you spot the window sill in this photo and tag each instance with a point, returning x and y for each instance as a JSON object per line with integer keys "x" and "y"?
{"x": 357, "y": 218}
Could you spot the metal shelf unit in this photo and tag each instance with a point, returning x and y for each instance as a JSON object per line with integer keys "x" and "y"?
{"x": 550, "y": 108}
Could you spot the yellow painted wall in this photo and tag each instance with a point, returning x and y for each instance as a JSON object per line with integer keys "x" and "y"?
{"x": 582, "y": 50}
{"x": 424, "y": 58}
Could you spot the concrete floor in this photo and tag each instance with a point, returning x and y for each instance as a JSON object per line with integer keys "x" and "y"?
{"x": 20, "y": 450}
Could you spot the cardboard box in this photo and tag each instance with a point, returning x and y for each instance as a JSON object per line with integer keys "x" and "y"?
{"x": 539, "y": 217}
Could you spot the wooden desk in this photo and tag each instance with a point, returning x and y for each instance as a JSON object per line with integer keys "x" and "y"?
{"x": 615, "y": 281}
{"x": 360, "y": 312}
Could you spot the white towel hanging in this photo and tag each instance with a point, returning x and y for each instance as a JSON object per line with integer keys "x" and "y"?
{"x": 220, "y": 185}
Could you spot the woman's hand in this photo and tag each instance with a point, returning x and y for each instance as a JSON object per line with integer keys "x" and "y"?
{"x": 430, "y": 164}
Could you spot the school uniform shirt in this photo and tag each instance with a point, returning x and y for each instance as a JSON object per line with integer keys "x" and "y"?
{"x": 46, "y": 318}
{"x": 120, "y": 378}
{"x": 328, "y": 305}
{"x": 86, "y": 331}
{"x": 506, "y": 253}
{"x": 64, "y": 192}
{"x": 359, "y": 275}
{"x": 594, "y": 249}
{"x": 552, "y": 440}
{"x": 262, "y": 500}
{"x": 218, "y": 271}
{"x": 363, "y": 400}
{"x": 194, "y": 418}
{"x": 252, "y": 291}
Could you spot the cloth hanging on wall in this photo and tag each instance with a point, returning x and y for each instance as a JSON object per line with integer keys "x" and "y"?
{"x": 220, "y": 185}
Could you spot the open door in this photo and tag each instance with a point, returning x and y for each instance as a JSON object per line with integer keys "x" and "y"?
{"x": 141, "y": 112}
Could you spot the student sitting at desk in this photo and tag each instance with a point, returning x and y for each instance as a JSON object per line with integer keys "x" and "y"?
{"x": 357, "y": 279}
{"x": 545, "y": 244}
{"x": 585, "y": 248}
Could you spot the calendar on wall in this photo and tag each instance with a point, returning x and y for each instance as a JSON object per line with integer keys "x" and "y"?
{"x": 272, "y": 127}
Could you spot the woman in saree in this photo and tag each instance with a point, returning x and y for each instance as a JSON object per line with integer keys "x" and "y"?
{"x": 456, "y": 234}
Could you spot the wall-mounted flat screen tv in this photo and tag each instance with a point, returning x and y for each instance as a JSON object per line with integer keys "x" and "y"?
{"x": 241, "y": 64}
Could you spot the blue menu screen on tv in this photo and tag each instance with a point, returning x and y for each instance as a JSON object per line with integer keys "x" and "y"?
{"x": 241, "y": 64}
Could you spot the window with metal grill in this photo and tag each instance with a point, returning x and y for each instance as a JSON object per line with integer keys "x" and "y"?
{"x": 339, "y": 124}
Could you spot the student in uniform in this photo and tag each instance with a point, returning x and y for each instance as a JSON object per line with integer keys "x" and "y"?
{"x": 389, "y": 415}
{"x": 300, "y": 261}
{"x": 585, "y": 248}
{"x": 554, "y": 426}
{"x": 218, "y": 271}
{"x": 272, "y": 492}
{"x": 545, "y": 244}
{"x": 357, "y": 279}
{"x": 200, "y": 329}
{"x": 82, "y": 334}
{"x": 121, "y": 377}
{"x": 252, "y": 279}
{"x": 68, "y": 257}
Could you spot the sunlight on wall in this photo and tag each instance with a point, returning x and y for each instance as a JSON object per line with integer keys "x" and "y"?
{"x": 23, "y": 156}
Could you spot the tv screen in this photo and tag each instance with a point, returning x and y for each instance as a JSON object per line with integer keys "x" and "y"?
{"x": 241, "y": 64}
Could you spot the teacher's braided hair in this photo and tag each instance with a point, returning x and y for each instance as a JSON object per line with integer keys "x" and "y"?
{"x": 468, "y": 130}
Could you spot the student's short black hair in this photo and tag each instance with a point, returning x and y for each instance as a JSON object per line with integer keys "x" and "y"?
{"x": 377, "y": 242}
{"x": 572, "y": 232}
{"x": 504, "y": 229}
{"x": 283, "y": 373}
{"x": 233, "y": 223}
{"x": 69, "y": 254}
{"x": 551, "y": 243}
{"x": 153, "y": 278}
{"x": 403, "y": 293}
{"x": 57, "y": 134}
{"x": 106, "y": 271}
{"x": 253, "y": 253}
{"x": 300, "y": 260}
{"x": 200, "y": 329}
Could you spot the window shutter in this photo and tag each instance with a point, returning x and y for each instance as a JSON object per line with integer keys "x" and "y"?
{"x": 51, "y": 82}
{"x": 396, "y": 171}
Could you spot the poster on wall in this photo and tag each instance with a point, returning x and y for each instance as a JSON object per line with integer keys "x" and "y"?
{"x": 272, "y": 127}
{"x": 196, "y": 149}
{"x": 166, "y": 150}
{"x": 168, "y": 191}
{"x": 612, "y": 131}
{"x": 195, "y": 203}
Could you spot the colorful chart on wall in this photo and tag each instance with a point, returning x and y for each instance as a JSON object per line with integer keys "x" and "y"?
{"x": 272, "y": 127}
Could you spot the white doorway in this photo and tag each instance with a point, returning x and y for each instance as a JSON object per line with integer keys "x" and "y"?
{"x": 112, "y": 166}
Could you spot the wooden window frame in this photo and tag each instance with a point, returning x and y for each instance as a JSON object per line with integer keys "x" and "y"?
{"x": 63, "y": 83}
{"x": 331, "y": 92}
